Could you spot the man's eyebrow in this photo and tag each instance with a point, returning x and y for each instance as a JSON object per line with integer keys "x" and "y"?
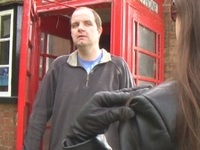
{"x": 74, "y": 22}
{"x": 85, "y": 21}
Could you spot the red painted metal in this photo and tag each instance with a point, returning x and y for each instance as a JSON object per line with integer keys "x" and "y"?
{"x": 61, "y": 7}
{"x": 59, "y": 25}
{"x": 22, "y": 73}
{"x": 35, "y": 52}
{"x": 28, "y": 69}
{"x": 117, "y": 41}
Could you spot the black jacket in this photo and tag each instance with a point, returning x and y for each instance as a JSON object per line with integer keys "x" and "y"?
{"x": 153, "y": 127}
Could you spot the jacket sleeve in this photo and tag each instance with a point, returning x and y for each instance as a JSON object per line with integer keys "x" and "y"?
{"x": 41, "y": 112}
{"x": 97, "y": 143}
{"x": 153, "y": 127}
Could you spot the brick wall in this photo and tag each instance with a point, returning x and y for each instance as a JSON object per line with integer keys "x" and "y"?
{"x": 170, "y": 38}
{"x": 8, "y": 126}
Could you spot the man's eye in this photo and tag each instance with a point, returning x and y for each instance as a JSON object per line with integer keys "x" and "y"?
{"x": 74, "y": 25}
{"x": 88, "y": 23}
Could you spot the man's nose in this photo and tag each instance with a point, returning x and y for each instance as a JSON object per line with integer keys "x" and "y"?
{"x": 81, "y": 27}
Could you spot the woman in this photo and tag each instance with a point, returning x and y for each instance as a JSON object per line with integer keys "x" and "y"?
{"x": 166, "y": 117}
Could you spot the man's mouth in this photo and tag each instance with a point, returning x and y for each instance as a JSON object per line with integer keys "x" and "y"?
{"x": 81, "y": 36}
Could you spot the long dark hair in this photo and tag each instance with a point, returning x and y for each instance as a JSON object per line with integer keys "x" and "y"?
{"x": 188, "y": 73}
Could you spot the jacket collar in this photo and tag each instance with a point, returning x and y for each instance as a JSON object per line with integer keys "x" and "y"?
{"x": 73, "y": 58}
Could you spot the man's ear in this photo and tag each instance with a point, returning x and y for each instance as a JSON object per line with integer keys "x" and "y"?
{"x": 100, "y": 30}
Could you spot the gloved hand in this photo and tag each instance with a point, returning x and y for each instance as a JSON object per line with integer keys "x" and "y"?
{"x": 99, "y": 112}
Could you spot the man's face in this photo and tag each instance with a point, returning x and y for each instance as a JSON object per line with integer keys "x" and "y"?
{"x": 84, "y": 30}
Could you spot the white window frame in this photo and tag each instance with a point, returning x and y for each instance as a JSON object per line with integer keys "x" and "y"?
{"x": 10, "y": 39}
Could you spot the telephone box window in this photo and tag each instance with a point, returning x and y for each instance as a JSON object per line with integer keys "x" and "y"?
{"x": 146, "y": 55}
{"x": 147, "y": 39}
{"x": 58, "y": 46}
{"x": 6, "y": 22}
{"x": 147, "y": 66}
{"x": 51, "y": 47}
{"x": 48, "y": 62}
{"x": 140, "y": 82}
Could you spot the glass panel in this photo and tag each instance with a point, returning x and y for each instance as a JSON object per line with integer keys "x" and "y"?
{"x": 158, "y": 43}
{"x": 135, "y": 31}
{"x": 28, "y": 88}
{"x": 145, "y": 82}
{"x": 5, "y": 26}
{"x": 4, "y": 79}
{"x": 48, "y": 63}
{"x": 58, "y": 46}
{"x": 30, "y": 30}
{"x": 4, "y": 53}
{"x": 158, "y": 69}
{"x": 42, "y": 42}
{"x": 28, "y": 59}
{"x": 134, "y": 62}
{"x": 41, "y": 67}
{"x": 147, "y": 39}
{"x": 146, "y": 65}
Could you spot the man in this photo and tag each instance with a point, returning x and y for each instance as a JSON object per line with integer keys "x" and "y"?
{"x": 73, "y": 79}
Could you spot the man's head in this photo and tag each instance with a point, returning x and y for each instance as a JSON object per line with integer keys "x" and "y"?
{"x": 86, "y": 27}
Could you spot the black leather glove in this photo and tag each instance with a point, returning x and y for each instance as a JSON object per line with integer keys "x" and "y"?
{"x": 99, "y": 112}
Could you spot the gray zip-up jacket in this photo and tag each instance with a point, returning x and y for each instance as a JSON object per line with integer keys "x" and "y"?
{"x": 65, "y": 89}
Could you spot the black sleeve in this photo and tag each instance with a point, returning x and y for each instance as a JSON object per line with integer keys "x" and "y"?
{"x": 97, "y": 143}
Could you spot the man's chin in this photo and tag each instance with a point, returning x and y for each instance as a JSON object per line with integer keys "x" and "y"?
{"x": 81, "y": 44}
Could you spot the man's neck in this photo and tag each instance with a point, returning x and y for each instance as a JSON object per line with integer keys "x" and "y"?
{"x": 89, "y": 54}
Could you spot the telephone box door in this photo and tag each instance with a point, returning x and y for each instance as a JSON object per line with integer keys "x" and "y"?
{"x": 29, "y": 62}
{"x": 145, "y": 41}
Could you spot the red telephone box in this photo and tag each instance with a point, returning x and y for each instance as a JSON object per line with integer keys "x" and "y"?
{"x": 133, "y": 29}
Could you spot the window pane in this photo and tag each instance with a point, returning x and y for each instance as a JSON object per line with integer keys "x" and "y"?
{"x": 4, "y": 53}
{"x": 4, "y": 79}
{"x": 6, "y": 34}
{"x": 41, "y": 67}
{"x": 42, "y": 42}
{"x": 145, "y": 83}
{"x": 58, "y": 46}
{"x": 134, "y": 62}
{"x": 48, "y": 62}
{"x": 5, "y": 26}
{"x": 135, "y": 34}
{"x": 147, "y": 39}
{"x": 29, "y": 59}
{"x": 146, "y": 66}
